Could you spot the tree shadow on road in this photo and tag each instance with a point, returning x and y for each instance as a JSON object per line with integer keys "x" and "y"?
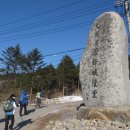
{"x": 22, "y": 124}
{"x": 31, "y": 111}
{"x": 2, "y": 120}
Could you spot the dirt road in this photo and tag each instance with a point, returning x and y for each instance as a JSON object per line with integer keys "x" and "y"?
{"x": 34, "y": 116}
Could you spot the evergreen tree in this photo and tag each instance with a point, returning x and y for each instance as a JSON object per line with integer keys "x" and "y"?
{"x": 35, "y": 60}
{"x": 66, "y": 74}
{"x": 10, "y": 59}
{"x": 48, "y": 75}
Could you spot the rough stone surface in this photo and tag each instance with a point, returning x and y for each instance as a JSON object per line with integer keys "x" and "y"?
{"x": 104, "y": 66}
{"x": 74, "y": 124}
{"x": 121, "y": 114}
{"x": 66, "y": 119}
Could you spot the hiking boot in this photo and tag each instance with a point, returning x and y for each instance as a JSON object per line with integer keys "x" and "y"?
{"x": 26, "y": 114}
{"x": 10, "y": 128}
{"x": 20, "y": 115}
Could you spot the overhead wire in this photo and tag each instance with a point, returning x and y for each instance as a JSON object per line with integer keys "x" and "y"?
{"x": 53, "y": 61}
{"x": 53, "y": 31}
{"x": 57, "y": 19}
{"x": 47, "y": 31}
{"x": 62, "y": 52}
{"x": 55, "y": 65}
{"x": 42, "y": 13}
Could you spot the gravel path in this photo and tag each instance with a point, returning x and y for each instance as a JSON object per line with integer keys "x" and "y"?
{"x": 33, "y": 115}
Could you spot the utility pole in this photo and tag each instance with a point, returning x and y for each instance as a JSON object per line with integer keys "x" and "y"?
{"x": 125, "y": 5}
{"x": 127, "y": 9}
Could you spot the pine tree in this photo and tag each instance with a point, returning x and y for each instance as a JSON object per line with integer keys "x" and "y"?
{"x": 66, "y": 74}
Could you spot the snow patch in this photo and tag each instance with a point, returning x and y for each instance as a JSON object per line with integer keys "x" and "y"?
{"x": 70, "y": 99}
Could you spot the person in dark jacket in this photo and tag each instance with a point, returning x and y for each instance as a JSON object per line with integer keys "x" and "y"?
{"x": 23, "y": 101}
{"x": 9, "y": 115}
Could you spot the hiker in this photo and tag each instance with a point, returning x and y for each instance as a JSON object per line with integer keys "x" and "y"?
{"x": 23, "y": 101}
{"x": 42, "y": 94}
{"x": 9, "y": 108}
{"x": 38, "y": 100}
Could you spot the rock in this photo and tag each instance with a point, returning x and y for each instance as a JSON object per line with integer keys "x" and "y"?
{"x": 55, "y": 128}
{"x": 104, "y": 67}
{"x": 93, "y": 128}
{"x": 64, "y": 129}
{"x": 74, "y": 124}
{"x": 51, "y": 122}
{"x": 120, "y": 114}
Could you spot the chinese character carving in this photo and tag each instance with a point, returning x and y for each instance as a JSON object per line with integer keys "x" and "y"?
{"x": 97, "y": 42}
{"x": 94, "y": 82}
{"x": 94, "y": 72}
{"x": 94, "y": 94}
{"x": 95, "y": 61}
{"x": 95, "y": 51}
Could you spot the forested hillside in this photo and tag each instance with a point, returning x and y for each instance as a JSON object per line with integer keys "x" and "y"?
{"x": 29, "y": 71}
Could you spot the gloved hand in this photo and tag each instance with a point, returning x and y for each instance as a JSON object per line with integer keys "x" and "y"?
{"x": 18, "y": 105}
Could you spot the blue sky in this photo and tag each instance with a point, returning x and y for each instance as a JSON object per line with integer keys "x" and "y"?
{"x": 50, "y": 25}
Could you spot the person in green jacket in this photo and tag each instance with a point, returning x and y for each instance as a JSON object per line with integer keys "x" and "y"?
{"x": 38, "y": 100}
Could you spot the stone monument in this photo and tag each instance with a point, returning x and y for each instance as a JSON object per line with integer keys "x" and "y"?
{"x": 104, "y": 67}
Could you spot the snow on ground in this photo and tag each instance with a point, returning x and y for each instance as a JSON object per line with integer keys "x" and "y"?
{"x": 64, "y": 99}
{"x": 70, "y": 99}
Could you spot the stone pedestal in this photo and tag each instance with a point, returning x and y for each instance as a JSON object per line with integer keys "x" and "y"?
{"x": 121, "y": 114}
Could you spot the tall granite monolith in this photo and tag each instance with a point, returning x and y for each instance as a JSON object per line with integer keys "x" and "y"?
{"x": 104, "y": 66}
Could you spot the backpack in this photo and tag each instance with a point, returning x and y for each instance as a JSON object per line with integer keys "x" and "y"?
{"x": 8, "y": 106}
{"x": 21, "y": 99}
{"x": 38, "y": 95}
{"x": 42, "y": 94}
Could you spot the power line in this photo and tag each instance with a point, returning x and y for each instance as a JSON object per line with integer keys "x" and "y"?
{"x": 47, "y": 31}
{"x": 43, "y": 13}
{"x": 125, "y": 6}
{"x": 53, "y": 19}
{"x": 62, "y": 52}
{"x": 52, "y": 61}
{"x": 73, "y": 61}
{"x": 56, "y": 19}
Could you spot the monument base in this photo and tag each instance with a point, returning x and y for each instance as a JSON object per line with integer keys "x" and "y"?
{"x": 121, "y": 114}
